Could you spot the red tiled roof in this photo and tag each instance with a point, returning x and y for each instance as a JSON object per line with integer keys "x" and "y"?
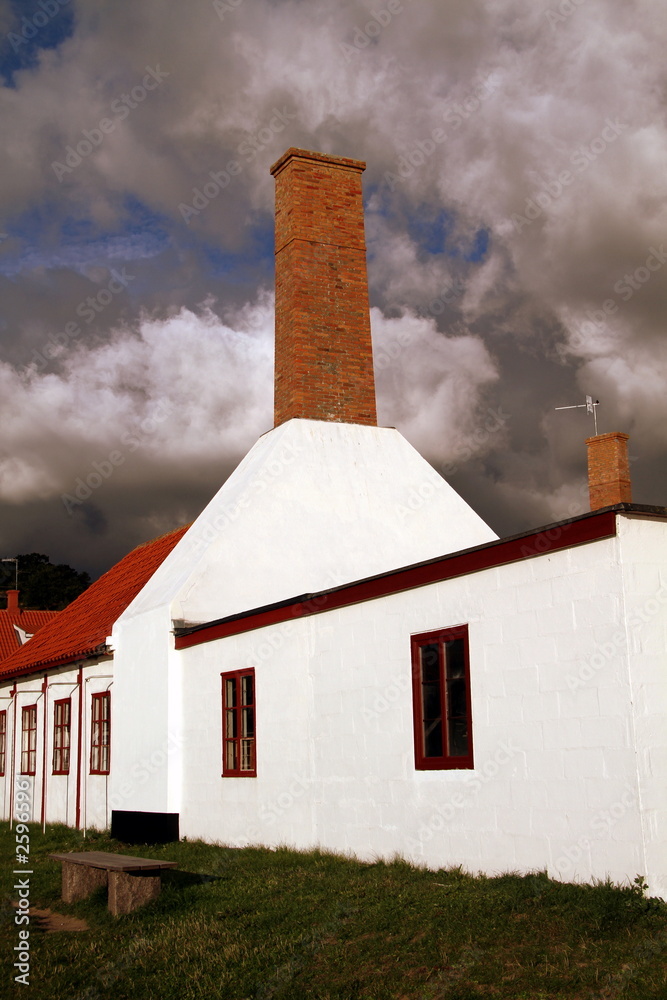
{"x": 83, "y": 626}
{"x": 29, "y": 621}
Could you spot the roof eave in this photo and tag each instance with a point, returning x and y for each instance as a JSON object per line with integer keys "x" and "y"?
{"x": 68, "y": 659}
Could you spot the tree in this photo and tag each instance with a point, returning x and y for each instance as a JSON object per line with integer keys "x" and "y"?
{"x": 42, "y": 585}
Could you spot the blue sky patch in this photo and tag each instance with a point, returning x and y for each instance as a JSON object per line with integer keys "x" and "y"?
{"x": 78, "y": 243}
{"x": 36, "y": 25}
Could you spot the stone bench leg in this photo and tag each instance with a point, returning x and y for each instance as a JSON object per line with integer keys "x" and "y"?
{"x": 79, "y": 881}
{"x": 128, "y": 890}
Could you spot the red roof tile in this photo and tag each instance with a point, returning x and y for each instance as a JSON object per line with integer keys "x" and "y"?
{"x": 83, "y": 626}
{"x": 29, "y": 621}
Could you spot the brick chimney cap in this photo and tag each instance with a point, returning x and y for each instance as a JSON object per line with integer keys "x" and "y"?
{"x": 307, "y": 154}
{"x": 609, "y": 434}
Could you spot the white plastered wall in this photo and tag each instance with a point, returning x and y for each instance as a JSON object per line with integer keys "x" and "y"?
{"x": 312, "y": 505}
{"x": 147, "y": 723}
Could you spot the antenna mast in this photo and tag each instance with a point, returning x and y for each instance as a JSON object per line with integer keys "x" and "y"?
{"x": 591, "y": 407}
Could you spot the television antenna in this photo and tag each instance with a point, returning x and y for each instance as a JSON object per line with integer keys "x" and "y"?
{"x": 591, "y": 407}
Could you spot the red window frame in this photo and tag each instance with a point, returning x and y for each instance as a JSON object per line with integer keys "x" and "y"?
{"x": 3, "y": 740}
{"x": 239, "y": 741}
{"x": 442, "y": 709}
{"x": 29, "y": 739}
{"x": 100, "y": 733}
{"x": 62, "y": 715}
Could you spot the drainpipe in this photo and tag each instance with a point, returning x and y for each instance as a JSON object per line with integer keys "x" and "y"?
{"x": 106, "y": 776}
{"x": 5, "y": 697}
{"x": 12, "y": 694}
{"x": 45, "y": 688}
{"x": 79, "y": 681}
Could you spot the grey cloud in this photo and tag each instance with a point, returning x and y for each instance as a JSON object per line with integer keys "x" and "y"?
{"x": 476, "y": 108}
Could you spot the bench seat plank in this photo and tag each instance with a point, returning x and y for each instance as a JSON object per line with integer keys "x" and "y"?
{"x": 112, "y": 862}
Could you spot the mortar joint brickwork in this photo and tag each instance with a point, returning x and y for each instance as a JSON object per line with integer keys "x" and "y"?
{"x": 324, "y": 356}
{"x": 608, "y": 470}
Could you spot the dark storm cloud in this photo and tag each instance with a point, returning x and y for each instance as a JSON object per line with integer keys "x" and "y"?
{"x": 516, "y": 225}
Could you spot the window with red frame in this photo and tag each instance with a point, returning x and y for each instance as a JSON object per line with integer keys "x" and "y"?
{"x": 100, "y": 741}
{"x": 441, "y": 699}
{"x": 61, "y": 735}
{"x": 238, "y": 724}
{"x": 3, "y": 740}
{"x": 29, "y": 739}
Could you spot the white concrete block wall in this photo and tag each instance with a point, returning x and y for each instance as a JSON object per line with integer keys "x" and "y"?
{"x": 643, "y": 547}
{"x": 274, "y": 807}
{"x": 554, "y": 761}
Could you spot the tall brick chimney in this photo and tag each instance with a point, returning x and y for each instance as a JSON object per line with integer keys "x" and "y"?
{"x": 608, "y": 470}
{"x": 12, "y": 600}
{"x": 324, "y": 357}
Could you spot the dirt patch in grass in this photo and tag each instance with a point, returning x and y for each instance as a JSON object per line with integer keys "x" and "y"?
{"x": 50, "y": 922}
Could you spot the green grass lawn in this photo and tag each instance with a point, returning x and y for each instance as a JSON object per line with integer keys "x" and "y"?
{"x": 254, "y": 923}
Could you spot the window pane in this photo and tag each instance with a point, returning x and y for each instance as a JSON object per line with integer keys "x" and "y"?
{"x": 230, "y": 755}
{"x": 248, "y": 722}
{"x": 247, "y": 692}
{"x": 430, "y": 658}
{"x": 230, "y": 723}
{"x": 456, "y": 697}
{"x": 458, "y": 737}
{"x": 230, "y": 694}
{"x": 431, "y": 700}
{"x": 456, "y": 664}
{"x": 247, "y": 755}
{"x": 433, "y": 739}
{"x": 457, "y": 709}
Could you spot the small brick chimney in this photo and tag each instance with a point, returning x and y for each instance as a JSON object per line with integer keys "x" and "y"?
{"x": 12, "y": 600}
{"x": 324, "y": 357}
{"x": 608, "y": 470}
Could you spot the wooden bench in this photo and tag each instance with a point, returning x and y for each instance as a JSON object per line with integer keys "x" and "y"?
{"x": 131, "y": 881}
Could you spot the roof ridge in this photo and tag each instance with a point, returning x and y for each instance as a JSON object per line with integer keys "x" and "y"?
{"x": 157, "y": 538}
